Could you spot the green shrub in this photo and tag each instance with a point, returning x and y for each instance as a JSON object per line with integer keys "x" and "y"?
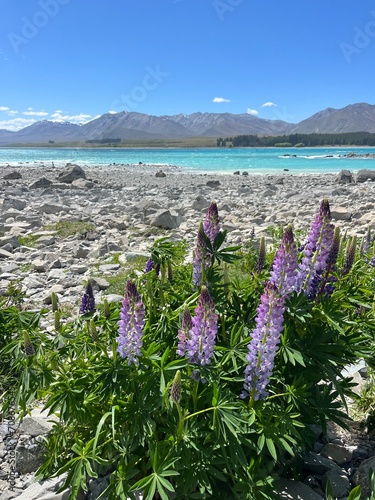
{"x": 167, "y": 423}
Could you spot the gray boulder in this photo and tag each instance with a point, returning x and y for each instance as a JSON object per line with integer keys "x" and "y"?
{"x": 294, "y": 490}
{"x": 362, "y": 476}
{"x": 82, "y": 184}
{"x": 40, "y": 183}
{"x": 15, "y": 203}
{"x": 9, "y": 240}
{"x": 316, "y": 464}
{"x": 28, "y": 455}
{"x": 341, "y": 213}
{"x": 38, "y": 423}
{"x": 339, "y": 482}
{"x": 213, "y": 184}
{"x": 52, "y": 208}
{"x": 45, "y": 490}
{"x": 4, "y": 254}
{"x": 365, "y": 175}
{"x": 344, "y": 177}
{"x": 200, "y": 203}
{"x": 337, "y": 453}
{"x": 12, "y": 176}
{"x": 166, "y": 219}
{"x": 71, "y": 173}
{"x": 100, "y": 283}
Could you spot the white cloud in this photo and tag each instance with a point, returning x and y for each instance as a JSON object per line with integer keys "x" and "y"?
{"x": 220, "y": 99}
{"x": 112, "y": 112}
{"x": 4, "y": 108}
{"x": 12, "y": 112}
{"x": 16, "y": 123}
{"x": 268, "y": 104}
{"x": 80, "y": 118}
{"x": 31, "y": 112}
{"x": 252, "y": 111}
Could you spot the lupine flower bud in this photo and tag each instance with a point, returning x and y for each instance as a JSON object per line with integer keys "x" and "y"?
{"x": 367, "y": 241}
{"x": 131, "y": 325}
{"x": 183, "y": 332}
{"x": 284, "y": 267}
{"x": 28, "y": 346}
{"x": 169, "y": 271}
{"x": 176, "y": 388}
{"x": 106, "y": 309}
{"x": 93, "y": 331}
{"x": 361, "y": 246}
{"x": 252, "y": 233}
{"x": 211, "y": 225}
{"x": 335, "y": 248}
{"x": 54, "y": 302}
{"x": 350, "y": 255}
{"x": 200, "y": 256}
{"x": 57, "y": 322}
{"x": 261, "y": 257}
{"x": 264, "y": 343}
{"x": 200, "y": 345}
{"x": 88, "y": 301}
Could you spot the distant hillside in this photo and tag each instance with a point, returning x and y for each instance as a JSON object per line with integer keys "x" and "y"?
{"x": 219, "y": 124}
{"x": 133, "y": 126}
{"x": 353, "y": 118}
{"x": 127, "y": 126}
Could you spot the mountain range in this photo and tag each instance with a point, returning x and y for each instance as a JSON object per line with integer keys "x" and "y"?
{"x": 126, "y": 125}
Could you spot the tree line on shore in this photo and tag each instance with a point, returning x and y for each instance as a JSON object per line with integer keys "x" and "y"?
{"x": 299, "y": 140}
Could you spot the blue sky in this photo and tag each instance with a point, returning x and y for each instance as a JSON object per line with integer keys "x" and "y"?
{"x": 76, "y": 59}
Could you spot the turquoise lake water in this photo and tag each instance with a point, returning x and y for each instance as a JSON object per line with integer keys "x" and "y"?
{"x": 209, "y": 160}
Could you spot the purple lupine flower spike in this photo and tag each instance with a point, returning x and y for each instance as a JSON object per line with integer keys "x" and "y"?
{"x": 264, "y": 343}
{"x": 316, "y": 252}
{"x": 200, "y": 256}
{"x": 261, "y": 257}
{"x": 149, "y": 265}
{"x": 211, "y": 225}
{"x": 200, "y": 345}
{"x": 131, "y": 324}
{"x": 88, "y": 300}
{"x": 327, "y": 286}
{"x": 183, "y": 332}
{"x": 284, "y": 267}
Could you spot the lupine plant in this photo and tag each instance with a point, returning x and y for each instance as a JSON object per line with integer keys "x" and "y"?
{"x": 205, "y": 381}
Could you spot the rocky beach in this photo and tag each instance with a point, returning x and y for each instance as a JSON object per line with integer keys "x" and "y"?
{"x": 61, "y": 226}
{"x": 121, "y": 209}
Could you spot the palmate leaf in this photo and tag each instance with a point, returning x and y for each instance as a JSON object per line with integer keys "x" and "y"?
{"x": 292, "y": 355}
{"x": 157, "y": 480}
